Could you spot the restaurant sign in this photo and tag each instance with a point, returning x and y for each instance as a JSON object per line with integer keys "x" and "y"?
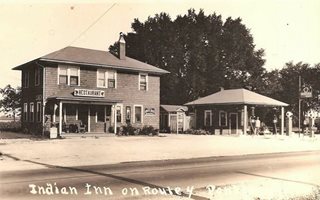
{"x": 88, "y": 93}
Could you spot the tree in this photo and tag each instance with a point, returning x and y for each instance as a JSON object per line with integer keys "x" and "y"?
{"x": 10, "y": 103}
{"x": 202, "y": 52}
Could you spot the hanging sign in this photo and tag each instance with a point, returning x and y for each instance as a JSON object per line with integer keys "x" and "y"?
{"x": 149, "y": 111}
{"x": 306, "y": 92}
{"x": 88, "y": 93}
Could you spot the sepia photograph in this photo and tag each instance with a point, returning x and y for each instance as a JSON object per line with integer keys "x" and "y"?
{"x": 160, "y": 100}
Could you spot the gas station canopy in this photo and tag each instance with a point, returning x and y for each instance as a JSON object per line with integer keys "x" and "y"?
{"x": 237, "y": 97}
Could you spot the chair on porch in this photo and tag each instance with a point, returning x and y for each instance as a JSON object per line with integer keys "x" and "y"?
{"x": 81, "y": 127}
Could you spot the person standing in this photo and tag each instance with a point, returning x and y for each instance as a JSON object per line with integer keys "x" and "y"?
{"x": 275, "y": 121}
{"x": 258, "y": 125}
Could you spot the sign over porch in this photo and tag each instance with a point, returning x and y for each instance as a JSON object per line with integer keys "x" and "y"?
{"x": 88, "y": 93}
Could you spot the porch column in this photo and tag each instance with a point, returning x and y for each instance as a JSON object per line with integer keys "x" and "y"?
{"x": 54, "y": 112}
{"x": 115, "y": 118}
{"x": 89, "y": 118}
{"x": 177, "y": 123}
{"x": 60, "y": 117}
{"x": 282, "y": 120}
{"x": 245, "y": 119}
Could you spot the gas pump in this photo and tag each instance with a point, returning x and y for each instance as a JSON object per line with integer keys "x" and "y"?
{"x": 289, "y": 123}
{"x": 312, "y": 115}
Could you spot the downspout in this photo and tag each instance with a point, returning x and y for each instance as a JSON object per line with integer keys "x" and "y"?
{"x": 43, "y": 95}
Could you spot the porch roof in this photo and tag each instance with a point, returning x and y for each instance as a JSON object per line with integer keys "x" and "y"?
{"x": 237, "y": 97}
{"x": 174, "y": 108}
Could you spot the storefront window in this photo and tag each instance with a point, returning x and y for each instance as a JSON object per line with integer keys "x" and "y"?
{"x": 138, "y": 114}
{"x": 223, "y": 118}
{"x": 207, "y": 118}
{"x": 31, "y": 112}
{"x": 128, "y": 114}
{"x": 119, "y": 114}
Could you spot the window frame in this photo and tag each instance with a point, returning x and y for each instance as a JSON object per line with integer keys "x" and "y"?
{"x": 134, "y": 114}
{"x": 25, "y": 79}
{"x": 25, "y": 112}
{"x": 147, "y": 81}
{"x": 226, "y": 120}
{"x": 38, "y": 111}
{"x": 106, "y": 78}
{"x": 31, "y": 113}
{"x": 68, "y": 68}
{"x": 205, "y": 118}
{"x": 37, "y": 76}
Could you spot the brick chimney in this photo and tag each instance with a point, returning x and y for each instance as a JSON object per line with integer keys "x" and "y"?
{"x": 122, "y": 47}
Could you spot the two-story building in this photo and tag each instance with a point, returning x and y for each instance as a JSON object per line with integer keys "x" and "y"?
{"x": 91, "y": 87}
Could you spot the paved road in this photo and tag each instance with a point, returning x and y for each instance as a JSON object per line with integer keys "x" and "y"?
{"x": 157, "y": 177}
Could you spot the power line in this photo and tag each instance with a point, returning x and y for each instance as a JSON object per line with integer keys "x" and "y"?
{"x": 92, "y": 24}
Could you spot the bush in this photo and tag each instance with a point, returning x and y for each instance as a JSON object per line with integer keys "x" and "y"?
{"x": 129, "y": 130}
{"x": 10, "y": 126}
{"x": 149, "y": 130}
{"x": 197, "y": 132}
{"x": 111, "y": 129}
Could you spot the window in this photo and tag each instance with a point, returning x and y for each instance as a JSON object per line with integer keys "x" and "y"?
{"x": 25, "y": 79}
{"x": 138, "y": 114}
{"x": 25, "y": 112}
{"x": 222, "y": 118}
{"x": 111, "y": 79}
{"x": 143, "y": 82}
{"x": 63, "y": 75}
{"x": 207, "y": 118}
{"x": 119, "y": 113}
{"x": 37, "y": 76}
{"x": 101, "y": 79}
{"x": 39, "y": 111}
{"x": 31, "y": 112}
{"x": 128, "y": 114}
{"x": 69, "y": 75}
{"x": 74, "y": 76}
{"x": 106, "y": 78}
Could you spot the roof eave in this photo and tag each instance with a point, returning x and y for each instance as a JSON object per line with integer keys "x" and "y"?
{"x": 161, "y": 71}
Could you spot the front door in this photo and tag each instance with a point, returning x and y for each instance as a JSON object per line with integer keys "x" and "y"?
{"x": 83, "y": 115}
{"x": 233, "y": 123}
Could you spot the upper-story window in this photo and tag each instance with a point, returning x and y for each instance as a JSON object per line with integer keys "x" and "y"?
{"x": 37, "y": 75}
{"x": 25, "y": 79}
{"x": 143, "y": 81}
{"x": 106, "y": 78}
{"x": 69, "y": 75}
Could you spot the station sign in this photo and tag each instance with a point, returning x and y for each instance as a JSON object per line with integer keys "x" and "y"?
{"x": 306, "y": 92}
{"x": 88, "y": 93}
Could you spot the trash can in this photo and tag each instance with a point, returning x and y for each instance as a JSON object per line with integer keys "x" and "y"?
{"x": 53, "y": 132}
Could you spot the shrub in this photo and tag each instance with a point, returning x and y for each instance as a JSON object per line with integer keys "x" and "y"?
{"x": 10, "y": 126}
{"x": 128, "y": 130}
{"x": 111, "y": 129}
{"x": 149, "y": 130}
{"x": 197, "y": 132}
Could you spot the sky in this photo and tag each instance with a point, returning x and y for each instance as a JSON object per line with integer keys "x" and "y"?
{"x": 288, "y": 30}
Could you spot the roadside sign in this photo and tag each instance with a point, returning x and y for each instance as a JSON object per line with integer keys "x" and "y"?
{"x": 306, "y": 92}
